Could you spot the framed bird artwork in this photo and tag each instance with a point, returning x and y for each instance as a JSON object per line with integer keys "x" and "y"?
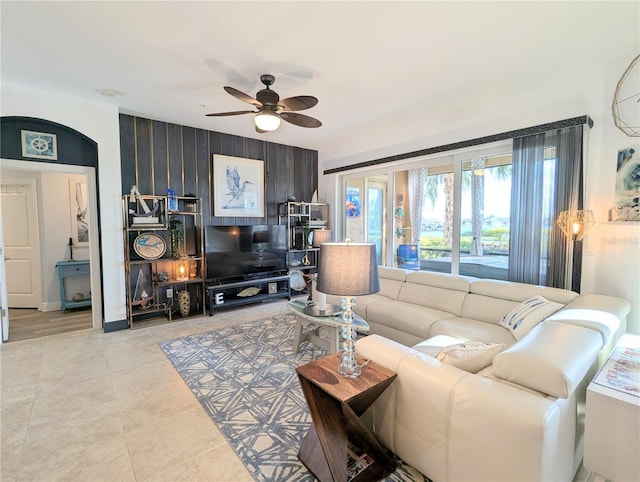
{"x": 238, "y": 186}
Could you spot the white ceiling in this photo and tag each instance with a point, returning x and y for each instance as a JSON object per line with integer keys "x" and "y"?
{"x": 385, "y": 73}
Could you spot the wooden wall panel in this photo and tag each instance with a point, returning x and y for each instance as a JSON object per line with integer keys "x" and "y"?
{"x": 175, "y": 158}
{"x": 189, "y": 161}
{"x": 160, "y": 159}
{"x": 144, "y": 167}
{"x": 127, "y": 153}
{"x": 156, "y": 155}
{"x": 202, "y": 173}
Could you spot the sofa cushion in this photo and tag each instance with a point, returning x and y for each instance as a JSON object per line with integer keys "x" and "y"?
{"x": 439, "y": 280}
{"x": 407, "y": 317}
{"x": 553, "y": 358}
{"x": 598, "y": 312}
{"x": 490, "y": 300}
{"x": 390, "y": 288}
{"x": 486, "y": 308}
{"x": 471, "y": 356}
{"x": 361, "y": 303}
{"x": 392, "y": 333}
{"x": 528, "y": 314}
{"x": 441, "y": 291}
{"x": 392, "y": 273}
{"x": 467, "y": 329}
{"x": 509, "y": 290}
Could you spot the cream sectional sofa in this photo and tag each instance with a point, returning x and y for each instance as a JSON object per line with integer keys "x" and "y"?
{"x": 519, "y": 418}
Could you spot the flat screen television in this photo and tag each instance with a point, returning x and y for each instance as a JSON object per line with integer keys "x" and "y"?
{"x": 237, "y": 253}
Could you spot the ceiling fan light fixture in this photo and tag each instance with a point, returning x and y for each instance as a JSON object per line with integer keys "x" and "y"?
{"x": 267, "y": 120}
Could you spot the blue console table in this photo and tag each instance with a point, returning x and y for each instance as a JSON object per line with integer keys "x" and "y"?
{"x": 68, "y": 269}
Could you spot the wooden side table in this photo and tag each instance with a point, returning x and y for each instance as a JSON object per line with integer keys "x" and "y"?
{"x": 338, "y": 446}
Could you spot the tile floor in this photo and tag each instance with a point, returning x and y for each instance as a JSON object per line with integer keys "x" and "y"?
{"x": 92, "y": 406}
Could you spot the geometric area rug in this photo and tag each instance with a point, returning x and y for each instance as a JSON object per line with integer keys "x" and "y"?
{"x": 244, "y": 377}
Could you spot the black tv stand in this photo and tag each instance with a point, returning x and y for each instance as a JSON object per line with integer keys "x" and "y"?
{"x": 229, "y": 294}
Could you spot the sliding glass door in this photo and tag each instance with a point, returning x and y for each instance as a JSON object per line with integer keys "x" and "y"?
{"x": 366, "y": 212}
{"x": 449, "y": 214}
{"x": 485, "y": 215}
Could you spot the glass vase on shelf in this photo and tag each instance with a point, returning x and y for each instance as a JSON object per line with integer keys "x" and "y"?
{"x": 172, "y": 200}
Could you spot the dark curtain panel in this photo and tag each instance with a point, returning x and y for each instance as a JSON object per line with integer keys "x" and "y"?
{"x": 526, "y": 263}
{"x": 539, "y": 253}
{"x": 564, "y": 271}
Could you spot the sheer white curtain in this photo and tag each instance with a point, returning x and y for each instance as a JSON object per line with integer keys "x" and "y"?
{"x": 538, "y": 251}
{"x": 417, "y": 179}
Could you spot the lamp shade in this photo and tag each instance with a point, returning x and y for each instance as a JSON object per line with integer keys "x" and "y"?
{"x": 267, "y": 120}
{"x": 348, "y": 269}
{"x": 261, "y": 237}
{"x": 575, "y": 223}
{"x": 321, "y": 236}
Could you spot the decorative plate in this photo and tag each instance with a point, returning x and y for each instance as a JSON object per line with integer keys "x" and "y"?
{"x": 149, "y": 246}
{"x": 296, "y": 280}
{"x": 252, "y": 291}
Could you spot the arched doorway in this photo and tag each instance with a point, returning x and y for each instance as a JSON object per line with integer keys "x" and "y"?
{"x": 76, "y": 155}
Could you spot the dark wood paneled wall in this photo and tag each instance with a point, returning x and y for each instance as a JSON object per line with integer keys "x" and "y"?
{"x": 157, "y": 156}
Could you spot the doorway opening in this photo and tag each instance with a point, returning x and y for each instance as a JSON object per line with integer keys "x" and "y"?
{"x": 64, "y": 210}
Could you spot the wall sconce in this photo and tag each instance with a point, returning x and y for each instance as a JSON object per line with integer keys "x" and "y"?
{"x": 182, "y": 269}
{"x": 575, "y": 224}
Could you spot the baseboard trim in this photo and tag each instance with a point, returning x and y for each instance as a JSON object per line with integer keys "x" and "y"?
{"x": 116, "y": 326}
{"x": 50, "y": 306}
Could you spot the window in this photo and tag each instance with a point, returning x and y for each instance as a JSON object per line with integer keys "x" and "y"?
{"x": 485, "y": 217}
{"x": 488, "y": 211}
{"x": 453, "y": 209}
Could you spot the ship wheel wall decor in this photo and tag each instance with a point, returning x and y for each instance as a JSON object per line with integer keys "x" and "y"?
{"x": 626, "y": 101}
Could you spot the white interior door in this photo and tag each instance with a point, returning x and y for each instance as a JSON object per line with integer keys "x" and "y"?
{"x": 21, "y": 247}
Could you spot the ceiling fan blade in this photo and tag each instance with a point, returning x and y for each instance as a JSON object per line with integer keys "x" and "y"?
{"x": 300, "y": 119}
{"x": 237, "y": 112}
{"x": 301, "y": 102}
{"x": 242, "y": 96}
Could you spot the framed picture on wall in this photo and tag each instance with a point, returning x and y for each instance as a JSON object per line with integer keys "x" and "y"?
{"x": 238, "y": 186}
{"x": 353, "y": 202}
{"x": 78, "y": 208}
{"x": 39, "y": 145}
{"x": 627, "y": 187}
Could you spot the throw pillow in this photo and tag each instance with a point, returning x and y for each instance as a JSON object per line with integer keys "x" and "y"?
{"x": 527, "y": 315}
{"x": 471, "y": 356}
{"x": 434, "y": 345}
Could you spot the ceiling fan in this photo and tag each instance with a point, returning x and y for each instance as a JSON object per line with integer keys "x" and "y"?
{"x": 271, "y": 108}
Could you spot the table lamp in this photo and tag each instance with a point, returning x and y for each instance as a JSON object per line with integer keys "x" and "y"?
{"x": 348, "y": 270}
{"x": 321, "y": 308}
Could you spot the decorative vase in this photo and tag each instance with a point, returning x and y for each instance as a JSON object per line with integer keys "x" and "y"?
{"x": 184, "y": 302}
